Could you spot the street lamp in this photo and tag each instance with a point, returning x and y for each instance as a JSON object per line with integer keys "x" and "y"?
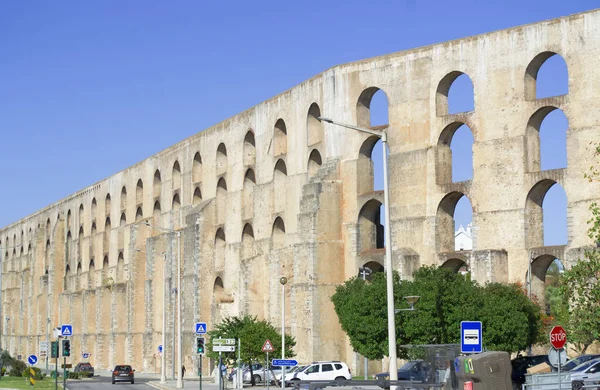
{"x": 363, "y": 272}
{"x": 179, "y": 365}
{"x": 283, "y": 280}
{"x": 531, "y": 257}
{"x": 382, "y": 134}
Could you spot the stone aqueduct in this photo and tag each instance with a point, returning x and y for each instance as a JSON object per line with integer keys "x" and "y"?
{"x": 273, "y": 192}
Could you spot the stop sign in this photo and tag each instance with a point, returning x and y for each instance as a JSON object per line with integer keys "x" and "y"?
{"x": 558, "y": 337}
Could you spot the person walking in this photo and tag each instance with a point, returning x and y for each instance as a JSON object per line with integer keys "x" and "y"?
{"x": 182, "y": 371}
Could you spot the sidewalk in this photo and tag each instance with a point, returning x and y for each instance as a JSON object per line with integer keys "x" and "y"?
{"x": 192, "y": 383}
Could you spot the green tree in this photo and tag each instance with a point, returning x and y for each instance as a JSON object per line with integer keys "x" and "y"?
{"x": 253, "y": 333}
{"x": 580, "y": 290}
{"x": 447, "y": 298}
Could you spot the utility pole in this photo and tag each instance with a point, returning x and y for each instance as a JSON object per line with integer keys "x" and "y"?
{"x": 364, "y": 272}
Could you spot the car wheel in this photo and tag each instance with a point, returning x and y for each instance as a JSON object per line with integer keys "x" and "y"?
{"x": 113, "y": 382}
{"x": 577, "y": 385}
{"x": 340, "y": 378}
{"x": 132, "y": 381}
{"x": 257, "y": 378}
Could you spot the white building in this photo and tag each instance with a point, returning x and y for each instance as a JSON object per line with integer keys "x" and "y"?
{"x": 463, "y": 240}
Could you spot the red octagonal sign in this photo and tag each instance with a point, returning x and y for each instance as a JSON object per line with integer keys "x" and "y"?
{"x": 558, "y": 337}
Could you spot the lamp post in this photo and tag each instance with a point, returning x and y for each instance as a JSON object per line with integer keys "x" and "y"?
{"x": 531, "y": 257}
{"x": 178, "y": 325}
{"x": 382, "y": 134}
{"x": 7, "y": 318}
{"x": 283, "y": 280}
{"x": 47, "y": 345}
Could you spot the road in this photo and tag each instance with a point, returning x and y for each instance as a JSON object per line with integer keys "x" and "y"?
{"x": 105, "y": 383}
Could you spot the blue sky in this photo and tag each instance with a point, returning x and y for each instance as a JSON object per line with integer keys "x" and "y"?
{"x": 90, "y": 88}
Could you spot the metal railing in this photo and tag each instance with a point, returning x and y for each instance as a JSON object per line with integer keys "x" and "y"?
{"x": 384, "y": 384}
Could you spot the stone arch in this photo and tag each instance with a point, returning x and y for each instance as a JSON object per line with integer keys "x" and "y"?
{"x": 445, "y": 222}
{"x": 156, "y": 211}
{"x": 48, "y": 230}
{"x": 94, "y": 229}
{"x": 221, "y": 159}
{"x": 221, "y": 203}
{"x": 197, "y": 196}
{"x": 156, "y": 185}
{"x": 218, "y": 291}
{"x": 81, "y": 215}
{"x": 176, "y": 205}
{"x": 120, "y": 267}
{"x": 538, "y": 152}
{"x": 534, "y": 213}
{"x": 279, "y": 138}
{"x": 533, "y": 71}
{"x": 314, "y": 162}
{"x": 94, "y": 209}
{"x": 247, "y": 241}
{"x": 105, "y": 266}
{"x": 540, "y": 278}
{"x": 80, "y": 234}
{"x": 314, "y": 127}
{"x": 107, "y": 204}
{"x": 366, "y": 165}
{"x": 176, "y": 176}
{"x": 107, "y": 224}
{"x": 456, "y": 265}
{"x": 139, "y": 215}
{"x": 197, "y": 168}
{"x": 248, "y": 194}
{"x": 364, "y": 110}
{"x": 139, "y": 192}
{"x": 123, "y": 220}
{"x": 450, "y": 86}
{"x": 374, "y": 266}
{"x": 278, "y": 233}
{"x": 91, "y": 274}
{"x": 370, "y": 228}
{"x": 69, "y": 219}
{"x": 123, "y": 198}
{"x": 249, "y": 148}
{"x": 67, "y": 278}
{"x": 219, "y": 250}
{"x": 106, "y": 238}
{"x": 451, "y": 164}
{"x": 279, "y": 186}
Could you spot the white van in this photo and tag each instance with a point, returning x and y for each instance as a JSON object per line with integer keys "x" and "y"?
{"x": 321, "y": 371}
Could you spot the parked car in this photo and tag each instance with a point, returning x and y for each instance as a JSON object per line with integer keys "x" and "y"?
{"x": 85, "y": 369}
{"x": 572, "y": 363}
{"x": 586, "y": 374}
{"x": 325, "y": 370}
{"x": 261, "y": 372}
{"x": 414, "y": 370}
{"x": 291, "y": 370}
{"x": 122, "y": 373}
{"x": 521, "y": 364}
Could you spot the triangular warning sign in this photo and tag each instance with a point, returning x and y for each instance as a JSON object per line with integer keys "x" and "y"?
{"x": 267, "y": 346}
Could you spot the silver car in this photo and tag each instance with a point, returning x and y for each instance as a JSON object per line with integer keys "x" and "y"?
{"x": 260, "y": 372}
{"x": 586, "y": 374}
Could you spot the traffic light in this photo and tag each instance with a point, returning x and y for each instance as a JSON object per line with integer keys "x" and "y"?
{"x": 200, "y": 345}
{"x": 66, "y": 345}
{"x": 54, "y": 349}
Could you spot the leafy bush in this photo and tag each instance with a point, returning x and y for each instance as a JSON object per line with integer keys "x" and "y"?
{"x": 74, "y": 375}
{"x": 54, "y": 374}
{"x": 3, "y": 371}
{"x": 38, "y": 374}
{"x": 17, "y": 368}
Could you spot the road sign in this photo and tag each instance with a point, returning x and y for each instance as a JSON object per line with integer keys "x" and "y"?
{"x": 160, "y": 348}
{"x": 223, "y": 348}
{"x": 471, "y": 336}
{"x": 224, "y": 342}
{"x": 32, "y": 359}
{"x": 66, "y": 330}
{"x": 200, "y": 327}
{"x": 556, "y": 356}
{"x": 284, "y": 362}
{"x": 44, "y": 345}
{"x": 267, "y": 346}
{"x": 85, "y": 355}
{"x": 558, "y": 337}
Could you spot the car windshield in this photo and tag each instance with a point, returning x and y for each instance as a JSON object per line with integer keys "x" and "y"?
{"x": 408, "y": 366}
{"x": 585, "y": 366}
{"x": 297, "y": 369}
{"x": 122, "y": 368}
{"x": 569, "y": 365}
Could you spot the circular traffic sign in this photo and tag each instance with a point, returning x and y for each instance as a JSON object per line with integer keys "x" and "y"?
{"x": 556, "y": 356}
{"x": 160, "y": 348}
{"x": 558, "y": 337}
{"x": 32, "y": 359}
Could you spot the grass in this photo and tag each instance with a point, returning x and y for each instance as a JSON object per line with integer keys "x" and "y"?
{"x": 19, "y": 383}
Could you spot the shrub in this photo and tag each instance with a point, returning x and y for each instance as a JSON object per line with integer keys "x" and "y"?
{"x": 3, "y": 371}
{"x": 74, "y": 375}
{"x": 54, "y": 374}
{"x": 17, "y": 368}
{"x": 38, "y": 373}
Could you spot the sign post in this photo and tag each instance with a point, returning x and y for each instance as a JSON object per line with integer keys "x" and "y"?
{"x": 558, "y": 339}
{"x": 268, "y": 347}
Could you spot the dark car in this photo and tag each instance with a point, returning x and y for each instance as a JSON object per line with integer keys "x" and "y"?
{"x": 122, "y": 373}
{"x": 521, "y": 364}
{"x": 571, "y": 364}
{"x": 414, "y": 370}
{"x": 85, "y": 369}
